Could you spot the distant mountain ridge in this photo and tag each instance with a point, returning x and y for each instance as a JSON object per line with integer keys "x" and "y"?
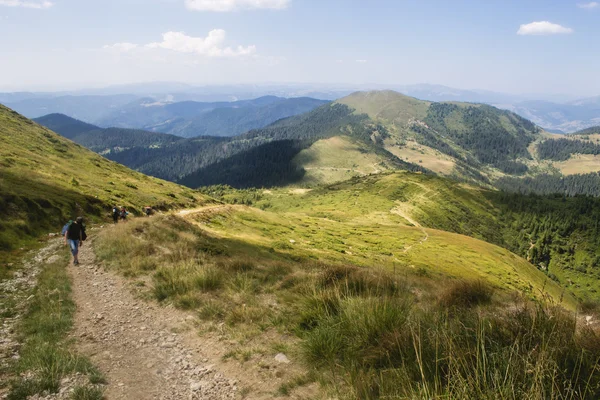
{"x": 378, "y": 130}
{"x": 555, "y": 113}
{"x": 104, "y": 140}
{"x": 65, "y": 125}
{"x": 568, "y": 117}
{"x": 192, "y": 119}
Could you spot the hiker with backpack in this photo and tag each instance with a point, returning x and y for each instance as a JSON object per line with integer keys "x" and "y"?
{"x": 115, "y": 214}
{"x": 74, "y": 234}
{"x": 124, "y": 214}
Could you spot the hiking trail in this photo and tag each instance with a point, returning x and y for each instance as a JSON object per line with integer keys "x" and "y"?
{"x": 149, "y": 351}
{"x": 134, "y": 344}
{"x": 399, "y": 211}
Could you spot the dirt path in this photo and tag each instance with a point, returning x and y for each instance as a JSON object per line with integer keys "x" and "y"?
{"x": 190, "y": 211}
{"x": 399, "y": 211}
{"x": 134, "y": 342}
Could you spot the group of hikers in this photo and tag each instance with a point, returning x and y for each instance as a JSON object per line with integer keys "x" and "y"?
{"x": 122, "y": 213}
{"x": 74, "y": 231}
{"x": 119, "y": 213}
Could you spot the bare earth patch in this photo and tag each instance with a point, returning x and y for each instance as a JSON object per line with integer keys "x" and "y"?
{"x": 424, "y": 156}
{"x": 579, "y": 164}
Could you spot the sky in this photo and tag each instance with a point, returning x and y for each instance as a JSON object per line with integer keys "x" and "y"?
{"x": 513, "y": 46}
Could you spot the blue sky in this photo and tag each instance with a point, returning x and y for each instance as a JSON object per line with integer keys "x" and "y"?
{"x": 526, "y": 46}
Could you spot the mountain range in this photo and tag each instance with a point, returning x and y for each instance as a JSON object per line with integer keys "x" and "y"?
{"x": 396, "y": 279}
{"x": 108, "y": 107}
{"x": 366, "y": 132}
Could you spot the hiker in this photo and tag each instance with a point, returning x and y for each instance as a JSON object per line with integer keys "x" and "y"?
{"x": 115, "y": 214}
{"x": 124, "y": 214}
{"x": 74, "y": 237}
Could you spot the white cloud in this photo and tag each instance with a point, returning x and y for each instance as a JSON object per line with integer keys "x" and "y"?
{"x": 235, "y": 5}
{"x": 121, "y": 46}
{"x": 212, "y": 46}
{"x": 589, "y": 6}
{"x": 361, "y": 61}
{"x": 27, "y": 4}
{"x": 543, "y": 28}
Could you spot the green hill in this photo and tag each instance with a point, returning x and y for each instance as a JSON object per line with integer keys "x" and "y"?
{"x": 559, "y": 235}
{"x": 359, "y": 282}
{"x": 466, "y": 141}
{"x": 115, "y": 140}
{"x": 65, "y": 125}
{"x": 46, "y": 179}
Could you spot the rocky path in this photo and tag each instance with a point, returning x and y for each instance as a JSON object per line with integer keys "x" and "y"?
{"x": 145, "y": 351}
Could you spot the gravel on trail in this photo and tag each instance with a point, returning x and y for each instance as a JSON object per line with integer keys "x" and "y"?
{"x": 134, "y": 343}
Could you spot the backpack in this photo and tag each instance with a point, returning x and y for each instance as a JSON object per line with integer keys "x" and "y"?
{"x": 66, "y": 228}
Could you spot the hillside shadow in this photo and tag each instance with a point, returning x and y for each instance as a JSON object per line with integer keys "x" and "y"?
{"x": 267, "y": 165}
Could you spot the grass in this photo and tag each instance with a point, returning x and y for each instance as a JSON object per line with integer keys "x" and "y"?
{"x": 47, "y": 180}
{"x": 370, "y": 332}
{"x": 46, "y": 355}
{"x": 87, "y": 393}
{"x": 466, "y": 294}
{"x": 387, "y": 106}
{"x": 390, "y": 348}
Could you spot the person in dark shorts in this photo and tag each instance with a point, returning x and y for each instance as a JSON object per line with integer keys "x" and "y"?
{"x": 74, "y": 238}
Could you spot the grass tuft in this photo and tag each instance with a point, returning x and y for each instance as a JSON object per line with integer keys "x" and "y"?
{"x": 467, "y": 294}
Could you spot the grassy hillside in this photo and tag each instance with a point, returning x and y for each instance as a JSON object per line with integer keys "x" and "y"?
{"x": 46, "y": 179}
{"x": 484, "y": 145}
{"x": 475, "y": 136}
{"x": 556, "y": 234}
{"x": 353, "y": 289}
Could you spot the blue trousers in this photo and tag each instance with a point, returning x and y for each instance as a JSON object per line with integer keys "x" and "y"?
{"x": 74, "y": 245}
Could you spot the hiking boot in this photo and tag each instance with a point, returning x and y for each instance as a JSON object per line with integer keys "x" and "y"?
{"x": 75, "y": 262}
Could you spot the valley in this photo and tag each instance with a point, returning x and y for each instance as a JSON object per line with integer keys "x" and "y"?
{"x": 299, "y": 199}
{"x": 389, "y": 130}
{"x": 362, "y": 217}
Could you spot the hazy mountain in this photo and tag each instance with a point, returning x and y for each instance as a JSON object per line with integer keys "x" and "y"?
{"x": 65, "y": 125}
{"x": 191, "y": 119}
{"x": 85, "y": 108}
{"x": 376, "y": 131}
{"x": 554, "y": 112}
{"x": 567, "y": 117}
{"x": 594, "y": 130}
{"x": 104, "y": 140}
